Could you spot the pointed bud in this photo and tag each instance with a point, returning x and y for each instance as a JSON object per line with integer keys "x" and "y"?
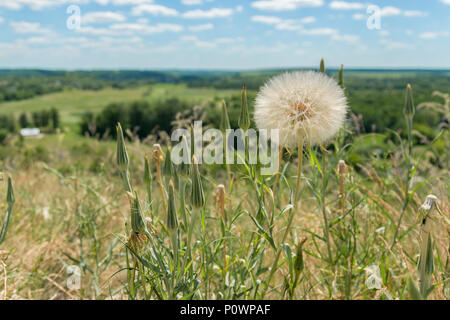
{"x": 192, "y": 132}
{"x": 299, "y": 264}
{"x": 244, "y": 118}
{"x": 224, "y": 120}
{"x": 10, "y": 198}
{"x": 137, "y": 221}
{"x": 409, "y": 109}
{"x": 341, "y": 76}
{"x": 322, "y": 65}
{"x": 169, "y": 169}
{"x": 122, "y": 155}
{"x": 197, "y": 195}
{"x": 414, "y": 292}
{"x": 183, "y": 168}
{"x": 172, "y": 219}
{"x": 261, "y": 214}
{"x": 148, "y": 178}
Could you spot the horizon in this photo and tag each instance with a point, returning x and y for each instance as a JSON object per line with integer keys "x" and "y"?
{"x": 223, "y": 35}
{"x": 302, "y": 68}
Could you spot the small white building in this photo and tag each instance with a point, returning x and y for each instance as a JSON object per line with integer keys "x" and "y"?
{"x": 30, "y": 132}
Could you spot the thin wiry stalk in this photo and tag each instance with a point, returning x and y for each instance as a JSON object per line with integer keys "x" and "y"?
{"x": 290, "y": 218}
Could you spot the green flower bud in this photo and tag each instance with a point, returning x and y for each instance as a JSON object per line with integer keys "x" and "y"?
{"x": 183, "y": 169}
{"x": 409, "y": 109}
{"x": 341, "y": 77}
{"x": 414, "y": 292}
{"x": 148, "y": 179}
{"x": 197, "y": 195}
{"x": 10, "y": 198}
{"x": 322, "y": 65}
{"x": 244, "y": 118}
{"x": 137, "y": 221}
{"x": 172, "y": 219}
{"x": 299, "y": 264}
{"x": 122, "y": 155}
{"x": 169, "y": 169}
{"x": 224, "y": 120}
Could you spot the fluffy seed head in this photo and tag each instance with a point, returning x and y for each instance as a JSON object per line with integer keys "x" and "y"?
{"x": 301, "y": 104}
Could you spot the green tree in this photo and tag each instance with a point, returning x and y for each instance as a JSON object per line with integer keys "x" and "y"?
{"x": 23, "y": 121}
{"x": 55, "y": 117}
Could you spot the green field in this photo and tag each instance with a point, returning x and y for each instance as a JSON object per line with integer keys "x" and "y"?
{"x": 73, "y": 103}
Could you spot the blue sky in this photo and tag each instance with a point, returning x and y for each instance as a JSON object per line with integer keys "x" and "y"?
{"x": 222, "y": 34}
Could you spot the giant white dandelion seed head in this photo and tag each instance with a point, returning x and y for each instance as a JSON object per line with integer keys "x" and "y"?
{"x": 306, "y": 105}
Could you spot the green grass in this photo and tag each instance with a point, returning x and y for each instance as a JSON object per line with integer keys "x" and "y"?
{"x": 73, "y": 103}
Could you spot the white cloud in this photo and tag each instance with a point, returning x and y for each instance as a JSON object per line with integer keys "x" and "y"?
{"x": 320, "y": 32}
{"x": 123, "y": 2}
{"x": 289, "y": 25}
{"x": 1, "y": 20}
{"x": 95, "y": 31}
{"x": 201, "y": 27}
{"x": 390, "y": 11}
{"x": 344, "y": 5}
{"x": 208, "y": 14}
{"x": 415, "y": 13}
{"x": 445, "y": 1}
{"x": 285, "y": 5}
{"x": 53, "y": 39}
{"x": 307, "y": 20}
{"x": 191, "y": 2}
{"x": 154, "y": 9}
{"x": 37, "y": 4}
{"x": 267, "y": 19}
{"x": 349, "y": 38}
{"x": 146, "y": 29}
{"x": 284, "y": 24}
{"x": 433, "y": 35}
{"x": 28, "y": 27}
{"x": 102, "y": 17}
{"x": 194, "y": 40}
{"x": 119, "y": 29}
{"x": 359, "y": 16}
{"x": 392, "y": 45}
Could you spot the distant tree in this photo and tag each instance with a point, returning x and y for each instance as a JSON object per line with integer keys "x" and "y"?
{"x": 23, "y": 121}
{"x": 8, "y": 123}
{"x": 36, "y": 116}
{"x": 55, "y": 117}
{"x": 45, "y": 118}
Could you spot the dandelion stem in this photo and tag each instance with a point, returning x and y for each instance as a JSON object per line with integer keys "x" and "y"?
{"x": 323, "y": 203}
{"x": 278, "y": 174}
{"x": 299, "y": 168}
{"x": 290, "y": 219}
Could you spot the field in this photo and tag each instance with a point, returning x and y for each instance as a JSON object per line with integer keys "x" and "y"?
{"x": 354, "y": 231}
